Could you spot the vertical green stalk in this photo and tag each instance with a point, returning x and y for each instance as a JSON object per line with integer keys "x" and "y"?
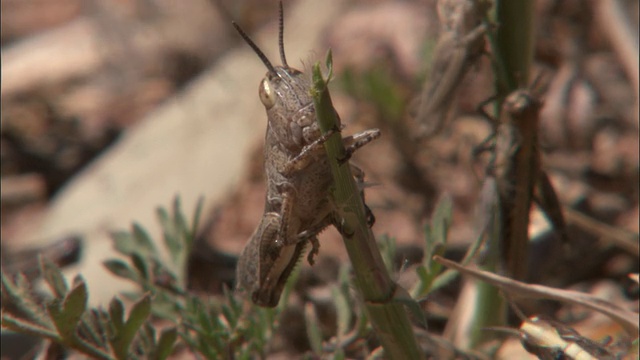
{"x": 514, "y": 45}
{"x": 513, "y": 51}
{"x": 490, "y": 308}
{"x": 379, "y": 293}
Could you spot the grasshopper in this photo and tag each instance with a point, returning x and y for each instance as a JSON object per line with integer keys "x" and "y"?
{"x": 520, "y": 179}
{"x": 550, "y": 339}
{"x": 298, "y": 203}
{"x": 460, "y": 44}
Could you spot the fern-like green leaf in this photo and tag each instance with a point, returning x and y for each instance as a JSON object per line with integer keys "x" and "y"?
{"x": 172, "y": 240}
{"x": 121, "y": 269}
{"x": 165, "y": 343}
{"x": 140, "y": 265}
{"x": 196, "y": 222}
{"x": 123, "y": 242}
{"x": 313, "y": 328}
{"x": 143, "y": 241}
{"x": 53, "y": 277}
{"x": 116, "y": 312}
{"x": 66, "y": 313}
{"x": 127, "y": 331}
{"x": 27, "y": 327}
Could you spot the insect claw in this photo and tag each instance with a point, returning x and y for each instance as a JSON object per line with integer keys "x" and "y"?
{"x": 371, "y": 219}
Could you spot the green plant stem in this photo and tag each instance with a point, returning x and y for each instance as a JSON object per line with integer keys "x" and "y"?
{"x": 512, "y": 47}
{"x": 514, "y": 50}
{"x": 388, "y": 317}
{"x": 490, "y": 308}
{"x": 514, "y": 44}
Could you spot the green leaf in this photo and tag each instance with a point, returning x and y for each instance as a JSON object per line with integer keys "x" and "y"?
{"x": 227, "y": 312}
{"x": 26, "y": 327}
{"x": 91, "y": 330}
{"x": 233, "y": 310}
{"x": 441, "y": 220}
{"x": 344, "y": 313}
{"x": 165, "y": 343}
{"x": 420, "y": 288}
{"x": 196, "y": 222}
{"x": 166, "y": 306}
{"x": 146, "y": 339}
{"x": 67, "y": 313}
{"x": 234, "y": 301}
{"x": 165, "y": 278}
{"x": 123, "y": 242}
{"x": 22, "y": 283}
{"x": 116, "y": 312}
{"x": 171, "y": 238}
{"x": 163, "y": 216}
{"x": 328, "y": 61}
{"x": 18, "y": 295}
{"x": 142, "y": 240}
{"x": 182, "y": 226}
{"x": 207, "y": 326}
{"x": 313, "y": 329}
{"x": 429, "y": 243}
{"x": 388, "y": 251}
{"x": 75, "y": 303}
{"x": 191, "y": 341}
{"x": 137, "y": 316}
{"x": 121, "y": 269}
{"x": 436, "y": 233}
{"x": 141, "y": 266}
{"x": 339, "y": 354}
{"x": 319, "y": 83}
{"x": 402, "y": 296}
{"x": 53, "y": 277}
{"x": 428, "y": 274}
{"x": 488, "y": 210}
{"x": 434, "y": 267}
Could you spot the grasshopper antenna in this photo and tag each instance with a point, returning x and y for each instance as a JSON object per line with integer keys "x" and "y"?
{"x": 255, "y": 48}
{"x": 281, "y": 37}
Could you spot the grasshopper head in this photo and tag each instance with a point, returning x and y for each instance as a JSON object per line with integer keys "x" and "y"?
{"x": 284, "y": 92}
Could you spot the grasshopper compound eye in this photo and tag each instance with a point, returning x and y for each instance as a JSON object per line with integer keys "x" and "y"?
{"x": 267, "y": 94}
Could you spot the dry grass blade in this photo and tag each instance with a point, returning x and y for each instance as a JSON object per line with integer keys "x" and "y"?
{"x": 625, "y": 240}
{"x": 627, "y": 319}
